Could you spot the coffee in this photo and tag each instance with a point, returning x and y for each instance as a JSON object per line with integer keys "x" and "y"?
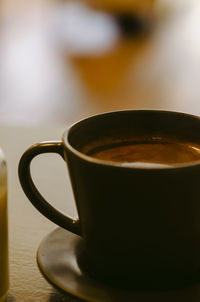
{"x": 148, "y": 153}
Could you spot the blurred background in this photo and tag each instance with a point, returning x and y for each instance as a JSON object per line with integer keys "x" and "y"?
{"x": 61, "y": 61}
{"x": 64, "y": 60}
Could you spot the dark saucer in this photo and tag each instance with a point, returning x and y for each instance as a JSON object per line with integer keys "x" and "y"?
{"x": 57, "y": 261}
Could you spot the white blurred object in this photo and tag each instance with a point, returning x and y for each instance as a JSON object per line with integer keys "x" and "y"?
{"x": 32, "y": 76}
{"x": 81, "y": 30}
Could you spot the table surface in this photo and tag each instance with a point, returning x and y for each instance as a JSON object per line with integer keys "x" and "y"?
{"x": 44, "y": 89}
{"x": 26, "y": 226}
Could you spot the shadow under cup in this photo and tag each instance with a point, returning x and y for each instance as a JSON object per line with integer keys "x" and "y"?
{"x": 140, "y": 225}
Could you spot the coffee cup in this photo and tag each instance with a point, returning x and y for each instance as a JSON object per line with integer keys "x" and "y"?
{"x": 135, "y": 178}
{"x": 3, "y": 229}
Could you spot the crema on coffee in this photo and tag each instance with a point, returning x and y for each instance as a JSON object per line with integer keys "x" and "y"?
{"x": 147, "y": 153}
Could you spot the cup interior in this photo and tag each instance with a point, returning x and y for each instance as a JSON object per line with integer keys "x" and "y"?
{"x": 126, "y": 126}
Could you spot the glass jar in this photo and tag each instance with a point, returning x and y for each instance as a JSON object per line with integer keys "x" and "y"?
{"x": 3, "y": 230}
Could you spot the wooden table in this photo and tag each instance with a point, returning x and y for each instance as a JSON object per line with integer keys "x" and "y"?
{"x": 26, "y": 226}
{"x": 44, "y": 90}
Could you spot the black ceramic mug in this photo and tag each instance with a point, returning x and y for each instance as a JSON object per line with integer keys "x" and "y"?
{"x": 140, "y": 224}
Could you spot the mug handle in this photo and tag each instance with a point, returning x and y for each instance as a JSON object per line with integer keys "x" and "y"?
{"x": 32, "y": 192}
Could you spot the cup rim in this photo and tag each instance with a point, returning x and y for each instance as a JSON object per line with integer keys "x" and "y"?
{"x": 102, "y": 162}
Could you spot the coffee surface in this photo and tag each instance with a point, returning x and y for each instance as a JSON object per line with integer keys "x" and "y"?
{"x": 148, "y": 153}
